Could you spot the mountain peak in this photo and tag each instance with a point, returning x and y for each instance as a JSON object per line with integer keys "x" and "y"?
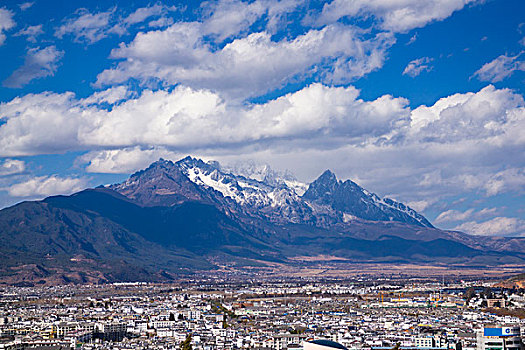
{"x": 323, "y": 187}
{"x": 348, "y": 198}
{"x": 189, "y": 162}
{"x": 162, "y": 183}
{"x": 327, "y": 176}
{"x": 163, "y": 163}
{"x": 258, "y": 189}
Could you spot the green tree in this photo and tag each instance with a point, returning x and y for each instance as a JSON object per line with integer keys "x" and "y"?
{"x": 186, "y": 344}
{"x": 470, "y": 293}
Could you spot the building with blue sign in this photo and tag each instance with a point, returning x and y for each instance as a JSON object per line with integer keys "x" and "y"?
{"x": 499, "y": 338}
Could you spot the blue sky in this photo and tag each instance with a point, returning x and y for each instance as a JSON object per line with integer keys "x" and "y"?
{"x": 419, "y": 101}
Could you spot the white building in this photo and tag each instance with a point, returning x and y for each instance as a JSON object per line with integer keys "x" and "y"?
{"x": 499, "y": 338}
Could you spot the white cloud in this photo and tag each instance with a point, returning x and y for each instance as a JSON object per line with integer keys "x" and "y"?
{"x": 39, "y": 63}
{"x": 488, "y": 115}
{"x": 122, "y": 161}
{"x": 420, "y": 205}
{"x": 31, "y": 32}
{"x": 227, "y": 18}
{"x": 12, "y": 167}
{"x": 6, "y": 23}
{"x": 454, "y": 216}
{"x": 415, "y": 67}
{"x": 39, "y": 124}
{"x": 498, "y": 226}
{"x": 43, "y": 186}
{"x": 412, "y": 40}
{"x": 88, "y": 28}
{"x": 143, "y": 13}
{"x": 196, "y": 118}
{"x": 505, "y": 181}
{"x": 161, "y": 22}
{"x": 500, "y": 68}
{"x": 464, "y": 143}
{"x": 25, "y": 5}
{"x": 245, "y": 67}
{"x": 187, "y": 118}
{"x": 110, "y": 96}
{"x": 397, "y": 16}
{"x": 85, "y": 26}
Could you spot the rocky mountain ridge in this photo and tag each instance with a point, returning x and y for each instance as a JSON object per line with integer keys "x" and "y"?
{"x": 178, "y": 218}
{"x": 325, "y": 201}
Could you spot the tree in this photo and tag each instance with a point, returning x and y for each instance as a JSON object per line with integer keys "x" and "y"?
{"x": 186, "y": 344}
{"x": 470, "y": 293}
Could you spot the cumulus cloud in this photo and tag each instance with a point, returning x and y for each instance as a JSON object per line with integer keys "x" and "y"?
{"x": 417, "y": 66}
{"x": 12, "y": 167}
{"x": 48, "y": 122}
{"x": 249, "y": 66}
{"x": 396, "y": 16}
{"x": 498, "y": 226}
{"x": 500, "y": 68}
{"x": 43, "y": 186}
{"x": 110, "y": 96}
{"x": 188, "y": 118}
{"x": 39, "y": 63}
{"x": 31, "y": 32}
{"x": 490, "y": 114}
{"x": 6, "y": 23}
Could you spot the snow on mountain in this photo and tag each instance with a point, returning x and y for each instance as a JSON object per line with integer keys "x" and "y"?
{"x": 267, "y": 192}
{"x": 259, "y": 190}
{"x": 265, "y": 174}
{"x": 351, "y": 200}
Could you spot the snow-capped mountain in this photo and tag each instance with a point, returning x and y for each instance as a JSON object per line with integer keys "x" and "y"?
{"x": 269, "y": 195}
{"x": 191, "y": 215}
{"x": 352, "y": 201}
{"x": 264, "y": 173}
{"x": 258, "y": 190}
